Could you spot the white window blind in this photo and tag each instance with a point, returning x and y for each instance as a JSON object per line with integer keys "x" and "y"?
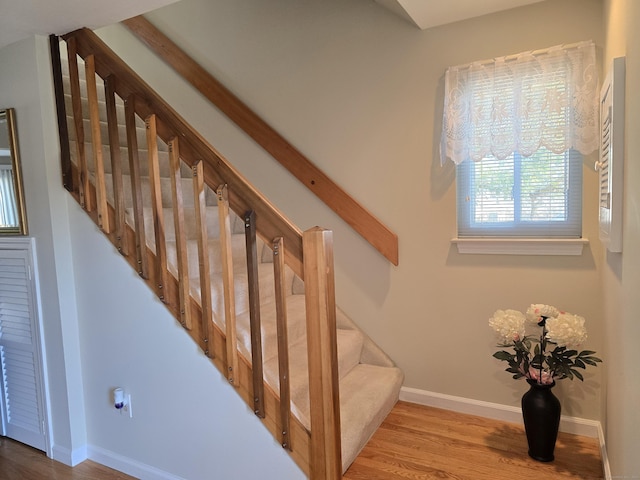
{"x": 8, "y": 207}
{"x": 537, "y": 196}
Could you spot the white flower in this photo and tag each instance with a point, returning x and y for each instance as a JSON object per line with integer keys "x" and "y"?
{"x": 508, "y": 324}
{"x": 544, "y": 360}
{"x": 538, "y": 310}
{"x": 566, "y": 330}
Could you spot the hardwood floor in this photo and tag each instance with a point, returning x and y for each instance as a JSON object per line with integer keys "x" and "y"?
{"x": 19, "y": 462}
{"x": 417, "y": 442}
{"x": 414, "y": 442}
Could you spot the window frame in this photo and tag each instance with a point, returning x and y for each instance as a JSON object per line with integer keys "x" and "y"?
{"x": 521, "y": 229}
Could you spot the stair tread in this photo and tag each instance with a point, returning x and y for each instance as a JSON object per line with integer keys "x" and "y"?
{"x": 349, "y": 348}
{"x": 296, "y": 326}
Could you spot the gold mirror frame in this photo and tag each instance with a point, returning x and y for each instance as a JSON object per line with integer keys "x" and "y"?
{"x": 13, "y": 217}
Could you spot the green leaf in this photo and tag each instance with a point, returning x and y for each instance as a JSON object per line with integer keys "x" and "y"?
{"x": 578, "y": 374}
{"x": 502, "y": 355}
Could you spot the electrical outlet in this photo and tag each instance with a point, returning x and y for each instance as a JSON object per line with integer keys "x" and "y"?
{"x": 127, "y": 408}
{"x": 122, "y": 401}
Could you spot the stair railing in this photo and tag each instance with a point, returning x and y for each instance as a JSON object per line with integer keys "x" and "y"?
{"x": 309, "y": 255}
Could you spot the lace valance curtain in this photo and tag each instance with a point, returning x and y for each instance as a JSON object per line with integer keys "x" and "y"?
{"x": 521, "y": 103}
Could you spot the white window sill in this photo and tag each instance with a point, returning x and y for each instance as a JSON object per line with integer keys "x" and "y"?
{"x": 521, "y": 246}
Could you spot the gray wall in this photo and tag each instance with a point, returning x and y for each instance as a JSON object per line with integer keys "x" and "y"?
{"x": 359, "y": 91}
{"x": 25, "y": 85}
{"x": 621, "y": 276}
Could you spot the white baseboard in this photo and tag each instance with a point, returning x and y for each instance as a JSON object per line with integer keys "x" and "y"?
{"x": 127, "y": 465}
{"x": 577, "y": 426}
{"x": 505, "y": 413}
{"x": 603, "y": 453}
{"x": 69, "y": 457}
{"x": 496, "y": 411}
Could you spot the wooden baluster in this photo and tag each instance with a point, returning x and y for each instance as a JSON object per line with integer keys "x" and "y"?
{"x": 254, "y": 312}
{"x": 136, "y": 187}
{"x": 96, "y": 142}
{"x": 61, "y": 111}
{"x": 116, "y": 165}
{"x": 228, "y": 286}
{"x": 181, "y": 237}
{"x": 199, "y": 201}
{"x": 322, "y": 347}
{"x": 76, "y": 103}
{"x": 283, "y": 340}
{"x": 156, "y": 204}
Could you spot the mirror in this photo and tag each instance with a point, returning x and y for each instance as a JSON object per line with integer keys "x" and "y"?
{"x": 13, "y": 218}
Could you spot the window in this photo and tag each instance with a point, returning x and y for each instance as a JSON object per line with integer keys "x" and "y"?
{"x": 539, "y": 196}
{"x": 516, "y": 128}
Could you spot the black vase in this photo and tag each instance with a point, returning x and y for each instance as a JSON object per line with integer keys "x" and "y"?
{"x": 541, "y": 413}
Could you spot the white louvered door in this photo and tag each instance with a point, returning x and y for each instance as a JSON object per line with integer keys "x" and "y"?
{"x": 21, "y": 377}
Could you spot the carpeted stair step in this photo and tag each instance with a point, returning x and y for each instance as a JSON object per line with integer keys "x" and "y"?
{"x": 349, "y": 349}
{"x": 165, "y": 187}
{"x": 141, "y": 134}
{"x": 143, "y": 159}
{"x": 367, "y": 396}
{"x": 296, "y": 324}
{"x": 211, "y": 214}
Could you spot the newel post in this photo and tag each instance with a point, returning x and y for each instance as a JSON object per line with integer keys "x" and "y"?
{"x": 325, "y": 462}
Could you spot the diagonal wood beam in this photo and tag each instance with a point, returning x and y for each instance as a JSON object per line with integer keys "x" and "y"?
{"x": 360, "y": 219}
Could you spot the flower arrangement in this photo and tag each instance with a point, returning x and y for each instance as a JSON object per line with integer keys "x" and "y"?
{"x": 548, "y": 357}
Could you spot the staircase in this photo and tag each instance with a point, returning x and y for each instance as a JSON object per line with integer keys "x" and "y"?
{"x": 224, "y": 261}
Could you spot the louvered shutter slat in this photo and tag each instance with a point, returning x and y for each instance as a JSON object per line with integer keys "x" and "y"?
{"x": 20, "y": 371}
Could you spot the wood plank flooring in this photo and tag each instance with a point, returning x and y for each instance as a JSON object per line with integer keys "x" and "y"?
{"x": 20, "y": 462}
{"x": 417, "y": 442}
{"x": 413, "y": 443}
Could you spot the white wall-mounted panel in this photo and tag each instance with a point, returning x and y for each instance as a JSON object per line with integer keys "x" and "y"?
{"x": 610, "y": 163}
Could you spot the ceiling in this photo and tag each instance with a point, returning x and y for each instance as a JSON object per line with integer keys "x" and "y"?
{"x": 20, "y": 19}
{"x": 431, "y": 13}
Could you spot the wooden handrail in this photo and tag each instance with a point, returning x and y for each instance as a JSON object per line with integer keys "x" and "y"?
{"x": 360, "y": 219}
